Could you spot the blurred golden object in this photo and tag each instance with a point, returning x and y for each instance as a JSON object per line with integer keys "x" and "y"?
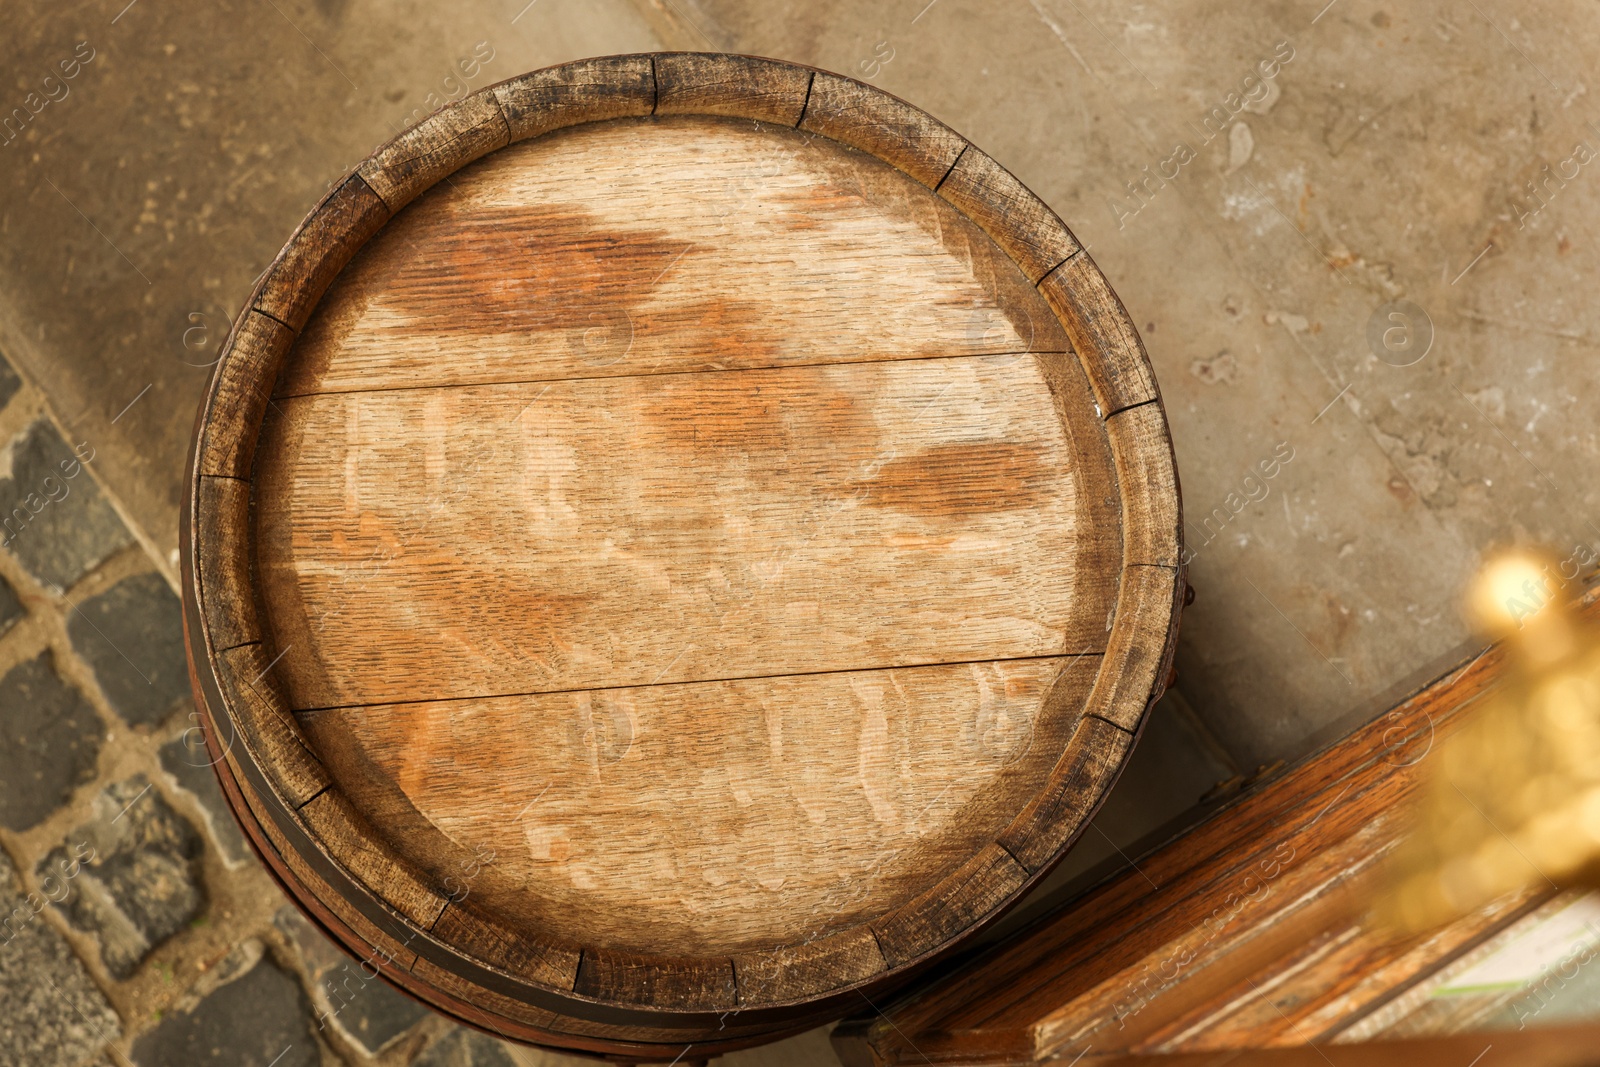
{"x": 1513, "y": 797}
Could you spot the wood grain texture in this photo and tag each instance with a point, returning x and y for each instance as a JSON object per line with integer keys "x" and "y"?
{"x": 1247, "y": 931}
{"x": 1051, "y": 820}
{"x": 745, "y": 87}
{"x": 443, "y": 989}
{"x": 241, "y": 388}
{"x": 589, "y": 90}
{"x": 266, "y": 727}
{"x": 479, "y": 935}
{"x": 882, "y": 126}
{"x": 656, "y": 981}
{"x": 1569, "y": 1045}
{"x": 808, "y": 968}
{"x": 818, "y": 801}
{"x": 1136, "y": 668}
{"x": 1416, "y": 1010}
{"x": 341, "y": 830}
{"x": 225, "y": 577}
{"x": 439, "y": 145}
{"x": 773, "y": 522}
{"x": 602, "y": 468}
{"x": 1102, "y": 333}
{"x": 398, "y": 963}
{"x": 577, "y": 255}
{"x": 338, "y": 227}
{"x": 504, "y": 1008}
{"x": 1152, "y": 515}
{"x": 1320, "y": 982}
{"x": 1019, "y": 221}
{"x": 957, "y": 902}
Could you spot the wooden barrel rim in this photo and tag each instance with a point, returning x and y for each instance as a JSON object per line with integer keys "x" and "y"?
{"x": 313, "y": 839}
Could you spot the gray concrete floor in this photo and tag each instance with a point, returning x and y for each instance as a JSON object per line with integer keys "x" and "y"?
{"x": 1430, "y": 160}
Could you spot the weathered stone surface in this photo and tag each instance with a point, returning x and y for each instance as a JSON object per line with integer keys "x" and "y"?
{"x": 131, "y": 635}
{"x": 258, "y": 1019}
{"x": 188, "y": 761}
{"x": 51, "y": 1013}
{"x": 11, "y": 609}
{"x": 9, "y": 382}
{"x": 365, "y": 1009}
{"x": 49, "y": 737}
{"x": 56, "y": 521}
{"x": 465, "y": 1048}
{"x": 138, "y": 884}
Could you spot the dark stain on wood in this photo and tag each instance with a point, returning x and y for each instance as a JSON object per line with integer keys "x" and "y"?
{"x": 962, "y": 480}
{"x": 515, "y": 269}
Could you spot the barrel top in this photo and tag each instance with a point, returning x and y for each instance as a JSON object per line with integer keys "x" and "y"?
{"x": 677, "y": 534}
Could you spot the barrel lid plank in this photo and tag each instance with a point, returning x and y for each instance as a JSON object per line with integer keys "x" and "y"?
{"x": 694, "y": 567}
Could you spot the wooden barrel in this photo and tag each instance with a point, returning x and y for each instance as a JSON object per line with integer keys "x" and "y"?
{"x": 673, "y": 544}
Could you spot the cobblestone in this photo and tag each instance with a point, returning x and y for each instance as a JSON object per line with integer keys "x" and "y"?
{"x": 256, "y": 1019}
{"x": 55, "y": 519}
{"x": 188, "y": 761}
{"x": 9, "y": 382}
{"x": 51, "y": 1012}
{"x": 138, "y": 884}
{"x": 465, "y": 1048}
{"x": 49, "y": 738}
{"x": 131, "y": 636}
{"x": 11, "y": 609}
{"x": 366, "y": 1010}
